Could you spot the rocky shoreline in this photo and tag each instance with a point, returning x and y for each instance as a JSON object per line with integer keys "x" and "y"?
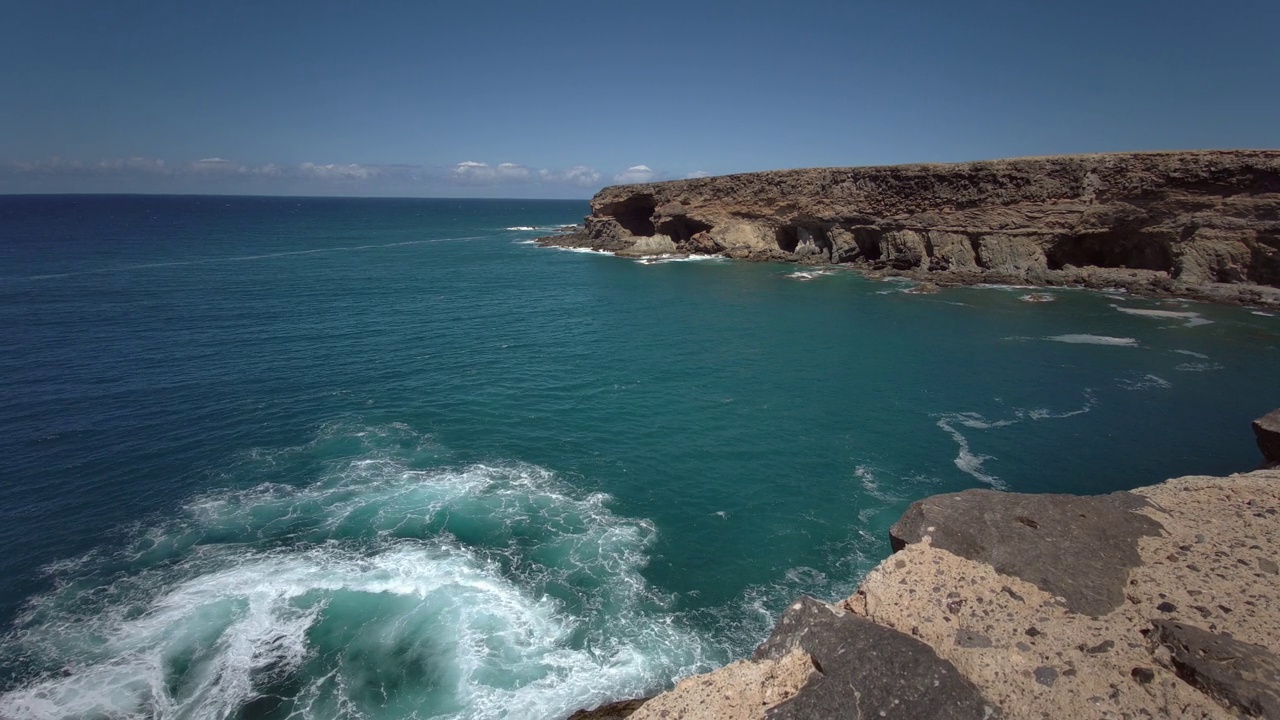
{"x": 1161, "y": 602}
{"x": 1202, "y": 225}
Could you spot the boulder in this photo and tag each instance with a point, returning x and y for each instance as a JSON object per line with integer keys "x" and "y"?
{"x": 1267, "y": 430}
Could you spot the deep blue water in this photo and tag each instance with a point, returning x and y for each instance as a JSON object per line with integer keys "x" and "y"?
{"x": 383, "y": 458}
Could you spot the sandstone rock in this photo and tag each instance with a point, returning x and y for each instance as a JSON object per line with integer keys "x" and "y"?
{"x": 1215, "y": 256}
{"x": 742, "y": 234}
{"x": 924, "y": 288}
{"x": 1011, "y": 255}
{"x": 844, "y": 245}
{"x": 902, "y": 249}
{"x": 1267, "y": 430}
{"x": 951, "y": 251}
{"x": 743, "y": 690}
{"x": 650, "y": 245}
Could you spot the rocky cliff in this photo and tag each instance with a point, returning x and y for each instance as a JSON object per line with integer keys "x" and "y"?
{"x": 1169, "y": 222}
{"x": 1162, "y": 602}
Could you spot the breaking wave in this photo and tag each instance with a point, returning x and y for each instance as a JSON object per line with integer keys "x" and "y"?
{"x": 809, "y": 274}
{"x": 378, "y": 590}
{"x": 678, "y": 257}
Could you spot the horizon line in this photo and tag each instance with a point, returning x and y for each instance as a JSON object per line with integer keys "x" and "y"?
{"x": 295, "y": 197}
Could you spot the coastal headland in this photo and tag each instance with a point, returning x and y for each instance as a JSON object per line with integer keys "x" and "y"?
{"x": 1199, "y": 224}
{"x": 1160, "y": 602}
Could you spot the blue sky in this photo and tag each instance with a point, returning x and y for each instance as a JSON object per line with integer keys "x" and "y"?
{"x": 556, "y": 99}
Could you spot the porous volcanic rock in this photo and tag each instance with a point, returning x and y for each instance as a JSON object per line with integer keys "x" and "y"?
{"x": 894, "y": 675}
{"x": 1202, "y": 224}
{"x": 1077, "y": 547}
{"x": 1160, "y": 602}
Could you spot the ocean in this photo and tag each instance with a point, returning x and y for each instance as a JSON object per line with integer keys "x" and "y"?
{"x": 386, "y": 458}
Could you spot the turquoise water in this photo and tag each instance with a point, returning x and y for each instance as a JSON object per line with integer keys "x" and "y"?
{"x": 268, "y": 458}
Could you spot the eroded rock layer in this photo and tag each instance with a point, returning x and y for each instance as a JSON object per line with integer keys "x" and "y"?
{"x": 1173, "y": 222}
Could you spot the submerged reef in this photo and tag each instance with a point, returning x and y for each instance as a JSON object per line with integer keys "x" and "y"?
{"x": 1160, "y": 602}
{"x": 1202, "y": 224}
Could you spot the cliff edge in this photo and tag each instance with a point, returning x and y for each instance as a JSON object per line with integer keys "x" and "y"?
{"x": 1161, "y": 602}
{"x": 1198, "y": 224}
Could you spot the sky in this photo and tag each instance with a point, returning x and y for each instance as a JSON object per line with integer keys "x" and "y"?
{"x": 483, "y": 98}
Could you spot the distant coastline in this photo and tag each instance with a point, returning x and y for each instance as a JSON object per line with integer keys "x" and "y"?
{"x": 1202, "y": 225}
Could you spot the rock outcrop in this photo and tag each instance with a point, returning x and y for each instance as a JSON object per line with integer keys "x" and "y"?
{"x": 1160, "y": 602}
{"x": 1203, "y": 223}
{"x": 1267, "y": 431}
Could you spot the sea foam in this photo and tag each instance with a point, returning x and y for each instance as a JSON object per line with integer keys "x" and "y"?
{"x": 1193, "y": 319}
{"x": 378, "y": 590}
{"x": 1083, "y": 339}
{"x": 1143, "y": 381}
{"x": 974, "y": 464}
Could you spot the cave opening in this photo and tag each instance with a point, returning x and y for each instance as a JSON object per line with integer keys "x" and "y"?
{"x": 868, "y": 241}
{"x": 1110, "y": 249}
{"x": 791, "y": 237}
{"x": 635, "y": 215}
{"x": 681, "y": 229}
{"x": 788, "y": 238}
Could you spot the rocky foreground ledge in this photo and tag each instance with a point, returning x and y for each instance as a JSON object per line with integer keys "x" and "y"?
{"x": 1162, "y": 602}
{"x": 1202, "y": 224}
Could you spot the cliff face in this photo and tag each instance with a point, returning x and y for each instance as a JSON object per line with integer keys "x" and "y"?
{"x": 1194, "y": 218}
{"x": 1162, "y": 602}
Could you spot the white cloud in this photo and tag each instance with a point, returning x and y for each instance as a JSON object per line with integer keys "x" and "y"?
{"x": 470, "y": 172}
{"x": 512, "y": 171}
{"x": 469, "y": 178}
{"x": 270, "y": 170}
{"x": 635, "y": 174}
{"x": 697, "y": 174}
{"x": 217, "y": 165}
{"x": 473, "y": 173}
{"x": 581, "y": 175}
{"x": 578, "y": 175}
{"x": 340, "y": 172}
